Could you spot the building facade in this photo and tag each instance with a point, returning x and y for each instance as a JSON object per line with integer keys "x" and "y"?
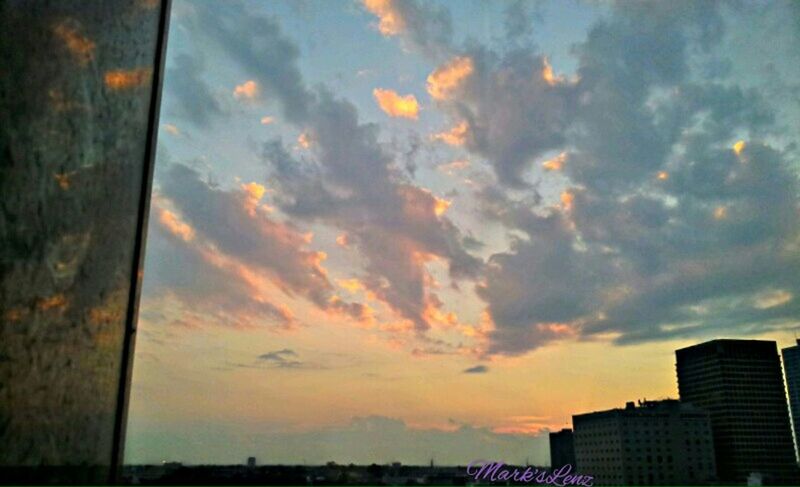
{"x": 655, "y": 443}
{"x": 562, "y": 448}
{"x": 740, "y": 384}
{"x": 791, "y": 368}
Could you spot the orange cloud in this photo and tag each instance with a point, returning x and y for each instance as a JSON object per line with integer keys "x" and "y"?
{"x": 738, "y": 147}
{"x": 550, "y": 77}
{"x": 343, "y": 240}
{"x": 390, "y": 20}
{"x": 267, "y": 120}
{"x": 434, "y": 315}
{"x": 175, "y": 225}
{"x": 395, "y": 105}
{"x": 351, "y": 285}
{"x": 253, "y": 194}
{"x": 556, "y": 329}
{"x": 304, "y": 140}
{"x": 455, "y": 136}
{"x": 662, "y": 175}
{"x": 172, "y": 129}
{"x": 446, "y": 79}
{"x": 547, "y": 74}
{"x": 567, "y": 199}
{"x": 256, "y": 285}
{"x": 440, "y": 206}
{"x": 254, "y": 190}
{"x": 556, "y": 163}
{"x": 248, "y": 89}
{"x": 720, "y": 213}
{"x": 121, "y": 79}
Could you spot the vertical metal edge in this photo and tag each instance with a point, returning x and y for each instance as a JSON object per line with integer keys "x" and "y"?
{"x": 137, "y": 267}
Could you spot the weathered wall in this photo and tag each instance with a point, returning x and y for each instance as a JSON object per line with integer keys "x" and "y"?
{"x": 76, "y": 107}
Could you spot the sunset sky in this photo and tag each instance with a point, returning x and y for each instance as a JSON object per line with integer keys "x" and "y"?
{"x": 403, "y": 230}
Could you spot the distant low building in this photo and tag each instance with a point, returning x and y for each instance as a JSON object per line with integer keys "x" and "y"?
{"x": 562, "y": 448}
{"x": 657, "y": 443}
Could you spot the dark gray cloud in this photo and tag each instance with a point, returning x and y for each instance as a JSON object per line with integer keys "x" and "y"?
{"x": 519, "y": 20}
{"x": 283, "y": 359}
{"x": 478, "y": 369}
{"x": 665, "y": 230}
{"x": 513, "y": 113}
{"x": 189, "y": 95}
{"x": 256, "y": 44}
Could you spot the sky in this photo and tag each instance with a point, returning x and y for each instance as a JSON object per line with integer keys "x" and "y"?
{"x": 389, "y": 230}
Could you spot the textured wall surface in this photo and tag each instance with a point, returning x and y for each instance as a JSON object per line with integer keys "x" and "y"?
{"x": 75, "y": 106}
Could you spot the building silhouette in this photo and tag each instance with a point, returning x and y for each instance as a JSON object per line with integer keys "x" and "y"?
{"x": 791, "y": 367}
{"x": 740, "y": 384}
{"x": 655, "y": 443}
{"x": 562, "y": 448}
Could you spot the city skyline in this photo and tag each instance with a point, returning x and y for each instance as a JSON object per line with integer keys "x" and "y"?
{"x": 390, "y": 231}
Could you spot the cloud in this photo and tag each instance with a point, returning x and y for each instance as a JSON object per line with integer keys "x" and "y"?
{"x": 454, "y": 166}
{"x": 174, "y": 225}
{"x": 444, "y": 82}
{"x": 668, "y": 225}
{"x": 478, "y": 369}
{"x": 520, "y": 18}
{"x": 395, "y": 105}
{"x": 208, "y": 289}
{"x": 229, "y": 234}
{"x": 662, "y": 213}
{"x": 422, "y": 26}
{"x": 189, "y": 96}
{"x": 391, "y": 21}
{"x": 172, "y": 129}
{"x": 347, "y": 181}
{"x": 504, "y": 109}
{"x": 455, "y": 136}
{"x": 254, "y": 43}
{"x": 248, "y": 89}
{"x": 350, "y": 184}
{"x": 555, "y": 163}
{"x": 282, "y": 359}
{"x": 396, "y": 226}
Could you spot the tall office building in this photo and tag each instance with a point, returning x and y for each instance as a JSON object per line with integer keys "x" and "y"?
{"x": 657, "y": 443}
{"x": 562, "y": 448}
{"x": 740, "y": 384}
{"x": 791, "y": 367}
